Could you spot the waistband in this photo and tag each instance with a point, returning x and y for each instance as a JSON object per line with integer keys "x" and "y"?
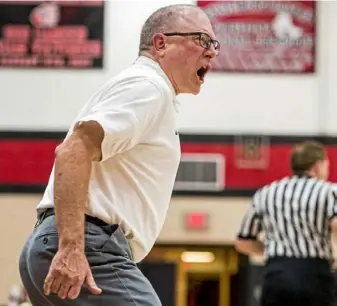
{"x": 51, "y": 211}
{"x": 108, "y": 228}
{"x": 314, "y": 264}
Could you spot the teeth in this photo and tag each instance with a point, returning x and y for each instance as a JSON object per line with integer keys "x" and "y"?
{"x": 205, "y": 67}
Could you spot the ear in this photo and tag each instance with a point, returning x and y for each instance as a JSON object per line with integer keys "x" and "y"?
{"x": 316, "y": 167}
{"x": 159, "y": 42}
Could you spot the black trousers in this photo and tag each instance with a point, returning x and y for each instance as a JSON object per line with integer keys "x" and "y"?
{"x": 297, "y": 282}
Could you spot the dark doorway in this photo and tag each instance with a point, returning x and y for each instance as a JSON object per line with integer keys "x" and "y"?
{"x": 203, "y": 290}
{"x": 162, "y": 276}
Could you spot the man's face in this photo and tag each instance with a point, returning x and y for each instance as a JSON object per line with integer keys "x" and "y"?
{"x": 184, "y": 59}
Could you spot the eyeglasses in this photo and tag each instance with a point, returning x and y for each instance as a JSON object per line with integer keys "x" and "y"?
{"x": 204, "y": 39}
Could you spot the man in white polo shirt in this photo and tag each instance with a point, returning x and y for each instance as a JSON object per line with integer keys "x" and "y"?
{"x": 113, "y": 175}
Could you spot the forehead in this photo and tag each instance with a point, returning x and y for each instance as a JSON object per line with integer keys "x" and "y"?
{"x": 196, "y": 21}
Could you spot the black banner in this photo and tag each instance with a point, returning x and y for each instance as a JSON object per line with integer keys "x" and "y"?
{"x": 51, "y": 34}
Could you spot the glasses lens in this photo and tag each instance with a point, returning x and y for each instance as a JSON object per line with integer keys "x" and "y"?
{"x": 216, "y": 45}
{"x": 205, "y": 41}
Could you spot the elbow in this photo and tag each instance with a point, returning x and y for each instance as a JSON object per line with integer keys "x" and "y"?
{"x": 74, "y": 152}
{"x": 78, "y": 147}
{"x": 60, "y": 151}
{"x": 66, "y": 153}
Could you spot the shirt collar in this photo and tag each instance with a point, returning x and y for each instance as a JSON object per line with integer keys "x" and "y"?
{"x": 144, "y": 60}
{"x": 304, "y": 174}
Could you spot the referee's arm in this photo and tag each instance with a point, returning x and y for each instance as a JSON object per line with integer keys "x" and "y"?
{"x": 247, "y": 239}
{"x": 333, "y": 213}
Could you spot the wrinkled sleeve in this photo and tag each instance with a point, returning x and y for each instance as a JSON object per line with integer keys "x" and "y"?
{"x": 125, "y": 113}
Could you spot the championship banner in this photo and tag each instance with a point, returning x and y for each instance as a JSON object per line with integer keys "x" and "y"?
{"x": 51, "y": 34}
{"x": 264, "y": 36}
{"x": 251, "y": 152}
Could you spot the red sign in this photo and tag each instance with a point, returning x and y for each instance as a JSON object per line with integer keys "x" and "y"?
{"x": 59, "y": 34}
{"x": 196, "y": 220}
{"x": 263, "y": 36}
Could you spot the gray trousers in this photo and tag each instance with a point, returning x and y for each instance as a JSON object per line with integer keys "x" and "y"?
{"x": 109, "y": 257}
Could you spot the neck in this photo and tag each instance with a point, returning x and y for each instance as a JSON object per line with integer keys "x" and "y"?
{"x": 162, "y": 66}
{"x": 310, "y": 173}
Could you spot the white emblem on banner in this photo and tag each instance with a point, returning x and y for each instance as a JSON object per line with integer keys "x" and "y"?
{"x": 46, "y": 15}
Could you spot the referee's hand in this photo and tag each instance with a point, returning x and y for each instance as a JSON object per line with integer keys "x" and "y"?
{"x": 68, "y": 271}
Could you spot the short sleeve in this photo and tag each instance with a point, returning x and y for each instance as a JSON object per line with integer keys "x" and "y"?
{"x": 332, "y": 201}
{"x": 125, "y": 113}
{"x": 251, "y": 224}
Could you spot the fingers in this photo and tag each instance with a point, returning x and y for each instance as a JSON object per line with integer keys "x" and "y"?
{"x": 48, "y": 283}
{"x": 66, "y": 276}
{"x": 64, "y": 289}
{"x": 91, "y": 284}
{"x": 61, "y": 282}
{"x": 63, "y": 292}
{"x": 56, "y": 285}
{"x": 74, "y": 291}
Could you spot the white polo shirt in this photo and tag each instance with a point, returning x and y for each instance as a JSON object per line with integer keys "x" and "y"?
{"x": 133, "y": 183}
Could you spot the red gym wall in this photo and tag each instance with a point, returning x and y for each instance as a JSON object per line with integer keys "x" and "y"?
{"x": 26, "y": 159}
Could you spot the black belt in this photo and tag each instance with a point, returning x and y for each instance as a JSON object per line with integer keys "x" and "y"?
{"x": 51, "y": 212}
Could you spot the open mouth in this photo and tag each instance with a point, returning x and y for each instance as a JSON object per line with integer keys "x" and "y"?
{"x": 201, "y": 72}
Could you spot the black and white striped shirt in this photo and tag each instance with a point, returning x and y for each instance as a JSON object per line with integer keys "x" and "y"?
{"x": 294, "y": 213}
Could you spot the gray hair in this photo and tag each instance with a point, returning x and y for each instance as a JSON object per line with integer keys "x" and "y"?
{"x": 161, "y": 21}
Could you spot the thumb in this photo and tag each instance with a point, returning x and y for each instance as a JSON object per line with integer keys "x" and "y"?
{"x": 91, "y": 284}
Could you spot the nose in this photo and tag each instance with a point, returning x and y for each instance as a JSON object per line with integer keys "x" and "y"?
{"x": 211, "y": 52}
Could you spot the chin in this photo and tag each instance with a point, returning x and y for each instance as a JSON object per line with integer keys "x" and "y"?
{"x": 195, "y": 91}
{"x": 191, "y": 90}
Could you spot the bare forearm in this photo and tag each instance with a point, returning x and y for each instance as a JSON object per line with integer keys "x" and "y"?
{"x": 250, "y": 247}
{"x": 257, "y": 248}
{"x": 72, "y": 174}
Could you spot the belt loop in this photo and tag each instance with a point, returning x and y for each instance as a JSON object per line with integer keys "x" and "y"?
{"x": 40, "y": 218}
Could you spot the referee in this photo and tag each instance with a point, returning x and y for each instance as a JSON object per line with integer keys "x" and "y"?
{"x": 296, "y": 215}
